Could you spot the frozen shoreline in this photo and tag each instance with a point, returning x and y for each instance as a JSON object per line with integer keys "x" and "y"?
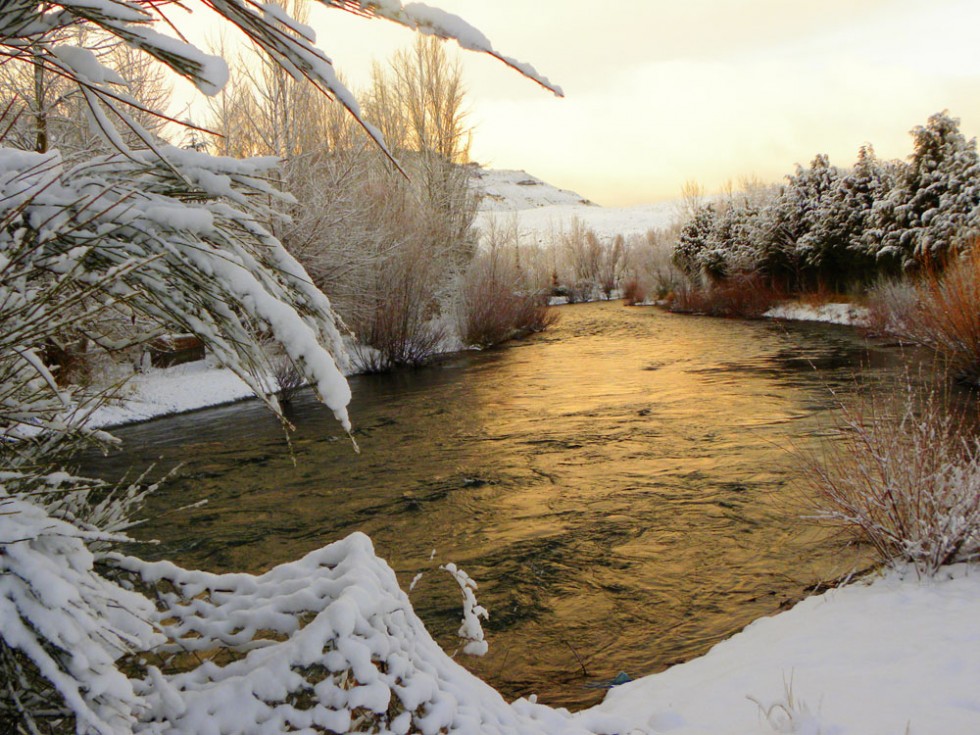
{"x": 167, "y": 391}
{"x": 847, "y": 314}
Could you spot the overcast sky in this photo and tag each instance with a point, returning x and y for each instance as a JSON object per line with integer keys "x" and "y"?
{"x": 661, "y": 92}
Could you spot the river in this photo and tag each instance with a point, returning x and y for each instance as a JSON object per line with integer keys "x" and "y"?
{"x": 620, "y": 486}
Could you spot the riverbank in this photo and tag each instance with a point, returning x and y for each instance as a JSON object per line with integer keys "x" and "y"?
{"x": 830, "y": 313}
{"x": 896, "y": 654}
{"x": 167, "y": 391}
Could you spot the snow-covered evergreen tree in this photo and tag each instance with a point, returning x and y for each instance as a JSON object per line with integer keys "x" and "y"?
{"x": 695, "y": 239}
{"x": 848, "y": 216}
{"x": 809, "y": 194}
{"x": 929, "y": 211}
{"x": 777, "y": 231}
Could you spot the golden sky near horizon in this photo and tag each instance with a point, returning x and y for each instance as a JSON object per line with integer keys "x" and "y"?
{"x": 662, "y": 92}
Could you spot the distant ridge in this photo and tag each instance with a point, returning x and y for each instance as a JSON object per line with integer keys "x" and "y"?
{"x": 543, "y": 211}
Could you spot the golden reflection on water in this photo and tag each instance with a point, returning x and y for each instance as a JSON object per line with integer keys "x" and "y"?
{"x": 618, "y": 486}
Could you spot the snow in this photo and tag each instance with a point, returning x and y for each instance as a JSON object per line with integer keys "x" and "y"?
{"x": 164, "y": 391}
{"x": 509, "y": 190}
{"x": 210, "y": 72}
{"x": 897, "y": 655}
{"x": 84, "y": 63}
{"x": 849, "y": 314}
{"x": 434, "y": 21}
{"x": 543, "y": 211}
{"x": 334, "y": 625}
{"x": 49, "y": 593}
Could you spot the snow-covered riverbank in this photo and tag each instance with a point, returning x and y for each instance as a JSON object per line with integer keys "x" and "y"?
{"x": 847, "y": 314}
{"x": 896, "y": 655}
{"x": 166, "y": 391}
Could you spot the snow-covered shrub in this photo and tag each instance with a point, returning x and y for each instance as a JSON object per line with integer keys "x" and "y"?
{"x": 893, "y": 307}
{"x": 170, "y": 239}
{"x": 326, "y": 644}
{"x": 904, "y": 476}
{"x": 64, "y": 626}
{"x": 404, "y": 328}
{"x": 471, "y": 629}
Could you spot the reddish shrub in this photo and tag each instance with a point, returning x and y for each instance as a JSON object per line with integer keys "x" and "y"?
{"x": 747, "y": 296}
{"x": 633, "y": 292}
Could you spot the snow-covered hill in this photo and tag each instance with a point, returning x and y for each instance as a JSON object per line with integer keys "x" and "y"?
{"x": 543, "y": 210}
{"x": 506, "y": 190}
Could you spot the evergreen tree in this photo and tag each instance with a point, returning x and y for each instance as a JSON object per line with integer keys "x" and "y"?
{"x": 694, "y": 240}
{"x": 849, "y": 214}
{"x": 929, "y": 211}
{"x": 810, "y": 193}
{"x": 837, "y": 235}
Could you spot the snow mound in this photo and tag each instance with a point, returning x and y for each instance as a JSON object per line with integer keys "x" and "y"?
{"x": 328, "y": 643}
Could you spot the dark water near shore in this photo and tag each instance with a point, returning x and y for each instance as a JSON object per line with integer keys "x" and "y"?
{"x": 620, "y": 486}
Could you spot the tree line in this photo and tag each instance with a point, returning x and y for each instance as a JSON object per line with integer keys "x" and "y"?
{"x": 837, "y": 229}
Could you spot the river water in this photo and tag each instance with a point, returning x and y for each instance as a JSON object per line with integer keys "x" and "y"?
{"x": 621, "y": 486}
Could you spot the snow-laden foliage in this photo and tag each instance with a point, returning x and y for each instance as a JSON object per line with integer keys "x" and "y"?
{"x": 904, "y": 475}
{"x": 832, "y": 228}
{"x": 64, "y": 627}
{"x": 691, "y": 253}
{"x": 430, "y": 20}
{"x": 182, "y": 247}
{"x": 328, "y": 643}
{"x": 931, "y": 208}
{"x": 471, "y": 630}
